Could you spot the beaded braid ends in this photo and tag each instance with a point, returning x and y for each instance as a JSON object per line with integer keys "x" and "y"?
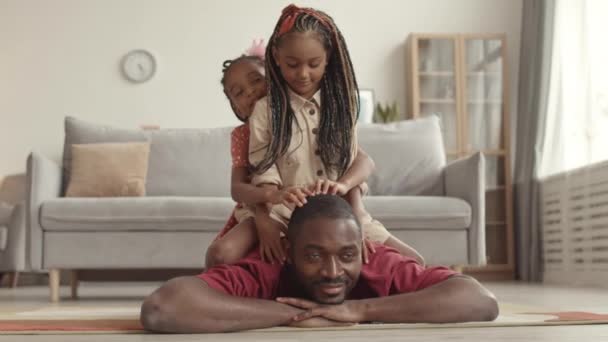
{"x": 339, "y": 91}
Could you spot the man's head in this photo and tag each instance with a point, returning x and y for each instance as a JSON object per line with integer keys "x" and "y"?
{"x": 325, "y": 245}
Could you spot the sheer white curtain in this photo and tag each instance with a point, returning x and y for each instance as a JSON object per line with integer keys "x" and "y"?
{"x": 577, "y": 115}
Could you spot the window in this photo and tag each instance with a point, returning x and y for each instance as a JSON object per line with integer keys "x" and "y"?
{"x": 577, "y": 118}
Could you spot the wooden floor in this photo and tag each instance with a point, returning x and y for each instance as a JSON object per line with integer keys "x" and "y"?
{"x": 545, "y": 296}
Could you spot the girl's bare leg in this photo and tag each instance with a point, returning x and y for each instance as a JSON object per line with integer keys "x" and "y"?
{"x": 355, "y": 199}
{"x": 404, "y": 249}
{"x": 232, "y": 246}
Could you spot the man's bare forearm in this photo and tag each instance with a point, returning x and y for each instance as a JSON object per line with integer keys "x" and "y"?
{"x": 458, "y": 299}
{"x": 226, "y": 313}
{"x": 191, "y": 306}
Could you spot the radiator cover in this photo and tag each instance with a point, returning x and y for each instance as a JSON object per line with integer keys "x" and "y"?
{"x": 574, "y": 219}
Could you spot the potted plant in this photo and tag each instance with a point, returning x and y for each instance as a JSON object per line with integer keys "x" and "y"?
{"x": 386, "y": 114}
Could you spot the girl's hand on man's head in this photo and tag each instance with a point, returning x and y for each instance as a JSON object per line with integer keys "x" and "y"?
{"x": 329, "y": 187}
{"x": 291, "y": 196}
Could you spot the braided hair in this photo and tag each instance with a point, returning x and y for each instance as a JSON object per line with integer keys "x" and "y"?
{"x": 227, "y": 65}
{"x": 339, "y": 92}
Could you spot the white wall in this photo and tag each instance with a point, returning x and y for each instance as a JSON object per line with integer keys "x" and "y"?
{"x": 61, "y": 57}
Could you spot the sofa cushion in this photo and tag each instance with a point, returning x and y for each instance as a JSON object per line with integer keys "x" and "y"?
{"x": 82, "y": 132}
{"x": 419, "y": 212}
{"x": 183, "y": 162}
{"x": 190, "y": 162}
{"x": 108, "y": 170}
{"x": 211, "y": 213}
{"x": 409, "y": 157}
{"x": 136, "y": 214}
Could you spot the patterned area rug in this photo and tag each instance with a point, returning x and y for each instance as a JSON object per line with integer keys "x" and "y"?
{"x": 124, "y": 320}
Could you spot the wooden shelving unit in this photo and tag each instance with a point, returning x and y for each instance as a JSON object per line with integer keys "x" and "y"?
{"x": 462, "y": 78}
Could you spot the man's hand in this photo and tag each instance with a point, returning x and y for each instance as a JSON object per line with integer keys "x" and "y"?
{"x": 347, "y": 312}
{"x": 291, "y": 195}
{"x": 318, "y": 322}
{"x": 269, "y": 236}
{"x": 326, "y": 186}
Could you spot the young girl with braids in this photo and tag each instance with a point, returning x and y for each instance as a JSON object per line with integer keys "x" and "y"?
{"x": 303, "y": 133}
{"x": 244, "y": 84}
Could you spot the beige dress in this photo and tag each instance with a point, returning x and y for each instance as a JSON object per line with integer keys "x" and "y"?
{"x": 302, "y": 164}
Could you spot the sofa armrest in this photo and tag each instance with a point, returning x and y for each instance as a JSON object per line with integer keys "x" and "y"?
{"x": 12, "y": 258}
{"x": 465, "y": 179}
{"x": 43, "y": 183}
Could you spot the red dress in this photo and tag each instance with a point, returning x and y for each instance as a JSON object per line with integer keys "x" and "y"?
{"x": 239, "y": 149}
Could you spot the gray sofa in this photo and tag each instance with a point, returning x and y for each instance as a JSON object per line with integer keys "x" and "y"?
{"x": 437, "y": 208}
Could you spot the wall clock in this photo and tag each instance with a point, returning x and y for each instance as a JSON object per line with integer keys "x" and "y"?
{"x": 138, "y": 66}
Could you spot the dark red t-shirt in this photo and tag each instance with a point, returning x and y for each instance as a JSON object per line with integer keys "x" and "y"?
{"x": 387, "y": 273}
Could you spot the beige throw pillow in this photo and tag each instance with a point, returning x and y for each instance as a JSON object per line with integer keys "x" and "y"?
{"x": 109, "y": 170}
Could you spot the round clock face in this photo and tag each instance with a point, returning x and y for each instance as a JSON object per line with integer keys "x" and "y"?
{"x": 138, "y": 66}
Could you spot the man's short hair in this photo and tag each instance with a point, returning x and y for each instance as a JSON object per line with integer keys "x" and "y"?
{"x": 326, "y": 206}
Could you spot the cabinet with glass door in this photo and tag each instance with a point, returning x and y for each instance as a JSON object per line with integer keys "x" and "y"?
{"x": 461, "y": 78}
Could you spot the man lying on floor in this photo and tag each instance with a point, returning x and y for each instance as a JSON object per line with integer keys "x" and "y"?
{"x": 324, "y": 283}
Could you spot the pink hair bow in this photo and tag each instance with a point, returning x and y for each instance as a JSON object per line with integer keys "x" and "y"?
{"x": 257, "y": 48}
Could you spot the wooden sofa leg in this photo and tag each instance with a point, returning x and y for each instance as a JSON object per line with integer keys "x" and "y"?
{"x": 54, "y": 279}
{"x": 74, "y": 282}
{"x": 13, "y": 279}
